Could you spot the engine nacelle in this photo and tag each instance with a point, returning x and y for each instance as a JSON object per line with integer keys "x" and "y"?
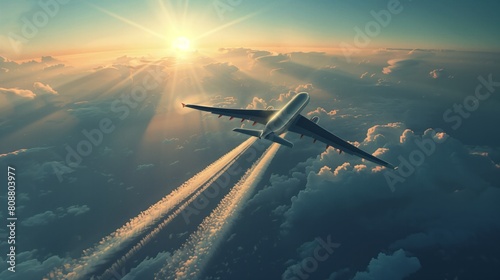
{"x": 315, "y": 119}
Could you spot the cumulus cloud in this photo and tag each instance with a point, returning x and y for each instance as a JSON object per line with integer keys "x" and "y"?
{"x": 306, "y": 256}
{"x": 390, "y": 267}
{"x": 321, "y": 110}
{"x": 257, "y": 103}
{"x": 305, "y": 87}
{"x": 450, "y": 179}
{"x": 29, "y": 267}
{"x": 44, "y": 88}
{"x": 20, "y": 93}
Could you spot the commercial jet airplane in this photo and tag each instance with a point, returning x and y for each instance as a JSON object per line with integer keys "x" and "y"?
{"x": 289, "y": 118}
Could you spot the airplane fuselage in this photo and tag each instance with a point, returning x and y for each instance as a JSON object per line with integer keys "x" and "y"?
{"x": 277, "y": 122}
{"x": 280, "y": 121}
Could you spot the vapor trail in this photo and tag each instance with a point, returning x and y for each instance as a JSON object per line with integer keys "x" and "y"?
{"x": 116, "y": 241}
{"x": 146, "y": 239}
{"x": 191, "y": 258}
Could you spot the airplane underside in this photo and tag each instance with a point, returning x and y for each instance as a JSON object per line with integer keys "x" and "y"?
{"x": 271, "y": 137}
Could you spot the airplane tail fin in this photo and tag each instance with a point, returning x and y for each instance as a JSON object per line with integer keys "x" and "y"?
{"x": 251, "y": 132}
{"x": 272, "y": 137}
{"x": 275, "y": 138}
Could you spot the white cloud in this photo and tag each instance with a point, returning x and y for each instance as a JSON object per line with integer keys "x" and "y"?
{"x": 20, "y": 93}
{"x": 49, "y": 216}
{"x": 321, "y": 111}
{"x": 396, "y": 65}
{"x": 44, "y": 88}
{"x": 257, "y": 103}
{"x": 29, "y": 267}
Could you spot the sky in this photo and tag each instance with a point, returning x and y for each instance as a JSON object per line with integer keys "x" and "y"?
{"x": 90, "y": 26}
{"x": 115, "y": 180}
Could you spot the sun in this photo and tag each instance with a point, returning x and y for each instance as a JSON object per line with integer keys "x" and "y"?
{"x": 182, "y": 44}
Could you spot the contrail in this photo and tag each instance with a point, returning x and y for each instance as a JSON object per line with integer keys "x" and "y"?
{"x": 146, "y": 239}
{"x": 116, "y": 241}
{"x": 191, "y": 258}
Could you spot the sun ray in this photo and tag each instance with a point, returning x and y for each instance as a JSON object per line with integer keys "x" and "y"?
{"x": 229, "y": 24}
{"x": 128, "y": 21}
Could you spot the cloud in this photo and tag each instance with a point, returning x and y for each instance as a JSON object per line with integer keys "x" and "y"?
{"x": 44, "y": 88}
{"x": 38, "y": 163}
{"x": 77, "y": 210}
{"x": 40, "y": 219}
{"x": 19, "y": 93}
{"x": 257, "y": 103}
{"x": 305, "y": 87}
{"x": 440, "y": 73}
{"x": 29, "y": 267}
{"x": 306, "y": 255}
{"x": 457, "y": 186}
{"x": 320, "y": 111}
{"x": 390, "y": 267}
{"x": 49, "y": 216}
{"x": 144, "y": 166}
{"x": 221, "y": 68}
{"x": 398, "y": 65}
{"x": 148, "y": 267}
{"x": 49, "y": 60}
{"x": 219, "y": 101}
{"x": 273, "y": 59}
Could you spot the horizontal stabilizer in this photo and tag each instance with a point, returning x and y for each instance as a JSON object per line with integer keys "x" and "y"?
{"x": 251, "y": 132}
{"x": 275, "y": 138}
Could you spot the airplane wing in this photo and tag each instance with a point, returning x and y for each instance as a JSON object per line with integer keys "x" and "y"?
{"x": 304, "y": 126}
{"x": 257, "y": 116}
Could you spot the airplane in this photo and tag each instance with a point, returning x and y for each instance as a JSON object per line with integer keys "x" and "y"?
{"x": 289, "y": 118}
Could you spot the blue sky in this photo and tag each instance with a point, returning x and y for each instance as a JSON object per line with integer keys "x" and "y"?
{"x": 82, "y": 26}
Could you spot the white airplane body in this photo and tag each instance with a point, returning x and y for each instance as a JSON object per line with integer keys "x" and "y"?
{"x": 289, "y": 118}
